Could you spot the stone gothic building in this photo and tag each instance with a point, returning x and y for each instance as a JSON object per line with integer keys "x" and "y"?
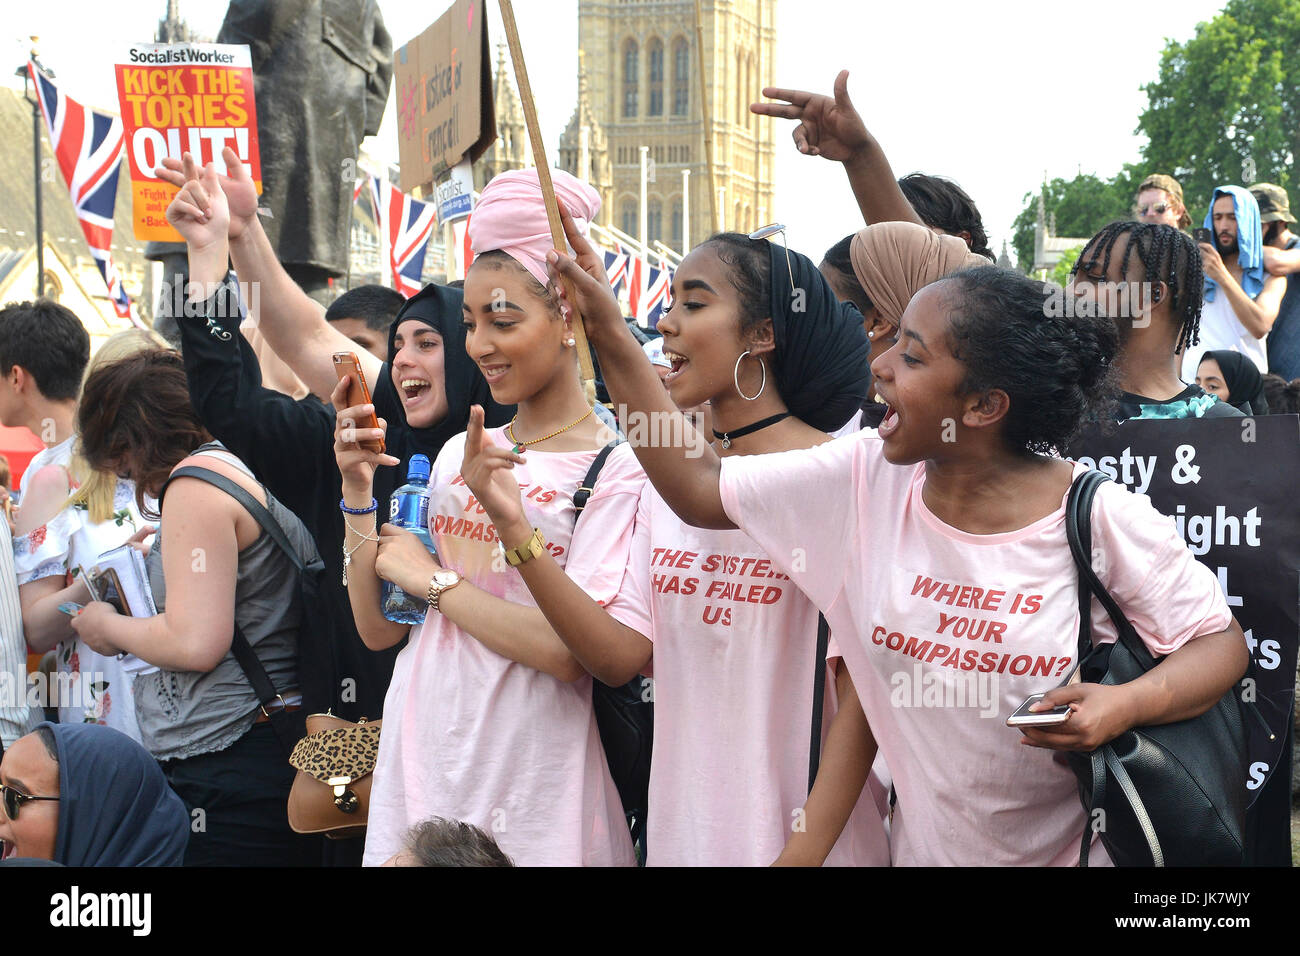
{"x": 644, "y": 54}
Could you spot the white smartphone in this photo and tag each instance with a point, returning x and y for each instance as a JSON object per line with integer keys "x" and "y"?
{"x": 1045, "y": 718}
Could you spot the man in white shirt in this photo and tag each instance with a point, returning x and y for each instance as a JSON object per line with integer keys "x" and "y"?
{"x": 16, "y": 717}
{"x": 1241, "y": 299}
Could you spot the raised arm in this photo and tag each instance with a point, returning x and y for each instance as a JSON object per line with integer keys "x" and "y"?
{"x": 686, "y": 476}
{"x": 267, "y": 430}
{"x": 830, "y": 127}
{"x": 218, "y": 219}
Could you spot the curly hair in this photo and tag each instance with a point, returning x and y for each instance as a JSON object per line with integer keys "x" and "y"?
{"x": 1056, "y": 370}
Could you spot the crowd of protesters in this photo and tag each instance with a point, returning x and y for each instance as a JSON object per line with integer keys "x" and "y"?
{"x": 843, "y": 431}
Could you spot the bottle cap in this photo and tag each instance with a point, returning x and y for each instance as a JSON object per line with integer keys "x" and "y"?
{"x": 418, "y": 469}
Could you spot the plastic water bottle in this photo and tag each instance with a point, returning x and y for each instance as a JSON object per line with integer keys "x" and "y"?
{"x": 409, "y": 510}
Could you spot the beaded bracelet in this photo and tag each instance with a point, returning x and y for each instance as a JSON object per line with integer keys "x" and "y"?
{"x": 374, "y": 506}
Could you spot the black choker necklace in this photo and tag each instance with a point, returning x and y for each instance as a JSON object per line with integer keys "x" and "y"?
{"x": 729, "y": 437}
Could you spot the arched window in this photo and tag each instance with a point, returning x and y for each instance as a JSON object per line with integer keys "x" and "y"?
{"x": 654, "y": 218}
{"x": 631, "y": 69}
{"x": 681, "y": 77}
{"x": 677, "y": 224}
{"x": 630, "y": 224}
{"x": 655, "y": 53}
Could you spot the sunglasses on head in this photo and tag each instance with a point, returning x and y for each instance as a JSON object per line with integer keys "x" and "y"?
{"x": 766, "y": 232}
{"x": 13, "y": 799}
{"x": 1160, "y": 208}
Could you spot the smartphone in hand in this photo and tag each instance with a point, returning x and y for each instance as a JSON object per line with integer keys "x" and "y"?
{"x": 1201, "y": 234}
{"x": 345, "y": 363}
{"x": 1045, "y": 718}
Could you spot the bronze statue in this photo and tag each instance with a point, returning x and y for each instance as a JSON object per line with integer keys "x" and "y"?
{"x": 321, "y": 75}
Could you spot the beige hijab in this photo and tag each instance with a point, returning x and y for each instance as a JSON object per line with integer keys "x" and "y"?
{"x": 895, "y": 260}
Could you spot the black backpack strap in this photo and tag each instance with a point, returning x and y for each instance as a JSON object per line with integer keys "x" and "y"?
{"x": 583, "y": 494}
{"x": 239, "y": 647}
{"x": 254, "y": 507}
{"x": 819, "y": 699}
{"x": 1078, "y": 531}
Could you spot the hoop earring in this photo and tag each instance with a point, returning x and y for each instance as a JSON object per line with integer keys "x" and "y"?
{"x": 735, "y": 377}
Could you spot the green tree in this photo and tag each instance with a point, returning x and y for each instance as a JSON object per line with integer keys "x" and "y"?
{"x": 1060, "y": 273}
{"x": 1082, "y": 205}
{"x": 1226, "y": 106}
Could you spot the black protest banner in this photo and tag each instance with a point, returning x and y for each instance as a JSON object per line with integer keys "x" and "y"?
{"x": 1230, "y": 486}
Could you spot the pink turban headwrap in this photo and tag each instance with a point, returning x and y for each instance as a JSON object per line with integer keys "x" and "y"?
{"x": 895, "y": 260}
{"x": 511, "y": 216}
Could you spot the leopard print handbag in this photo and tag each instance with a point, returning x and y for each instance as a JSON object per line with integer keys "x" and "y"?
{"x": 335, "y": 763}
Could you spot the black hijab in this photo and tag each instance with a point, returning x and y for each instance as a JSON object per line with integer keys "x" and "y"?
{"x": 821, "y": 349}
{"x": 1245, "y": 384}
{"x": 440, "y": 308}
{"x": 115, "y": 807}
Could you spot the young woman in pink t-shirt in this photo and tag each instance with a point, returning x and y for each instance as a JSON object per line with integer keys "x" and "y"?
{"x": 488, "y": 718}
{"x": 732, "y": 644}
{"x": 956, "y": 494}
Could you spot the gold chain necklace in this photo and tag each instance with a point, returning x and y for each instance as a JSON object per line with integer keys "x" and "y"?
{"x": 521, "y": 445}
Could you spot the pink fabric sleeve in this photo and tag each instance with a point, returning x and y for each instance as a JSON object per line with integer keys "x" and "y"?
{"x": 631, "y": 606}
{"x": 1167, "y": 594}
{"x": 602, "y": 539}
{"x": 801, "y": 507}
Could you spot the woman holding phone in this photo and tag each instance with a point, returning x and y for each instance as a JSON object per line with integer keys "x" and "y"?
{"x": 956, "y": 488}
{"x": 489, "y": 718}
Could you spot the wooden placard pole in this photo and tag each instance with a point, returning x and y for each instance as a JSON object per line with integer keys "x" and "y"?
{"x": 708, "y": 120}
{"x": 585, "y": 368}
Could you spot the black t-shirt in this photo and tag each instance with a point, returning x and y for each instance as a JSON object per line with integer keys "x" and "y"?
{"x": 1183, "y": 405}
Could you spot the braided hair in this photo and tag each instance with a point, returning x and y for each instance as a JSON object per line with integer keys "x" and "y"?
{"x": 1167, "y": 255}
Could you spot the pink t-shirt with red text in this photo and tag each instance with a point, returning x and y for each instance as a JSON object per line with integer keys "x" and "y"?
{"x": 945, "y": 633}
{"x": 471, "y": 735}
{"x": 734, "y": 650}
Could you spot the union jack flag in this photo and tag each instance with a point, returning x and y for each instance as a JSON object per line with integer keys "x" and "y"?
{"x": 658, "y": 294}
{"x": 88, "y": 147}
{"x": 616, "y": 269}
{"x": 405, "y": 225}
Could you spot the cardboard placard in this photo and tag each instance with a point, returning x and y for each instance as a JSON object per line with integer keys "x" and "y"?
{"x": 178, "y": 98}
{"x": 444, "y": 95}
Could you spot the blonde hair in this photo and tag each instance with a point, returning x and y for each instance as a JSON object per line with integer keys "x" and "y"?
{"x": 96, "y": 490}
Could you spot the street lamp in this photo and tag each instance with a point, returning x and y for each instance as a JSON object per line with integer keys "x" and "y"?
{"x": 36, "y": 160}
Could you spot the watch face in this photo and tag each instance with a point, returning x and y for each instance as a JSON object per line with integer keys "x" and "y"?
{"x": 446, "y": 578}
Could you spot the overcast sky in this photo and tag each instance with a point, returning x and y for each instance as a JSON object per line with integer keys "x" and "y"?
{"x": 990, "y": 94}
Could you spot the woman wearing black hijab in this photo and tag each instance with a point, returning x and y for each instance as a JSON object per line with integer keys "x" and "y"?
{"x": 1235, "y": 379}
{"x": 438, "y": 308}
{"x": 87, "y": 795}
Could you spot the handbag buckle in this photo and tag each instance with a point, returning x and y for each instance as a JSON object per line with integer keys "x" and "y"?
{"x": 344, "y": 798}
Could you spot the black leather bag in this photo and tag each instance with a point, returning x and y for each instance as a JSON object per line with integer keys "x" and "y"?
{"x": 1166, "y": 795}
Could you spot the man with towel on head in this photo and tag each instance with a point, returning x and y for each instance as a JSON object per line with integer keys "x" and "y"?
{"x": 1241, "y": 299}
